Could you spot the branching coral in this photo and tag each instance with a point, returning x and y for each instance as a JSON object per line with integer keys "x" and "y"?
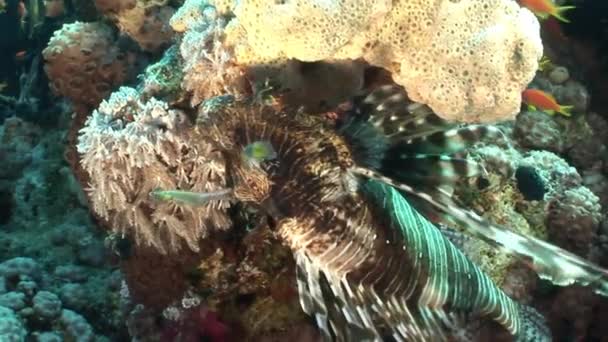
{"x": 130, "y": 148}
{"x": 469, "y": 60}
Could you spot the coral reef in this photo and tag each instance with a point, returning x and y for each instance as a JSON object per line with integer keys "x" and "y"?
{"x": 219, "y": 78}
{"x": 30, "y": 307}
{"x": 49, "y": 241}
{"x": 11, "y": 328}
{"x": 209, "y": 67}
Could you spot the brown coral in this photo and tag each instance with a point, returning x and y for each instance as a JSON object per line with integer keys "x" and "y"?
{"x": 145, "y": 21}
{"x": 84, "y": 63}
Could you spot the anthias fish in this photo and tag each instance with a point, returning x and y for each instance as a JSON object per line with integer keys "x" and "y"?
{"x": 538, "y": 99}
{"x": 546, "y": 8}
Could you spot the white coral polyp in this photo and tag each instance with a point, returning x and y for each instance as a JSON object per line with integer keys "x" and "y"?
{"x": 130, "y": 148}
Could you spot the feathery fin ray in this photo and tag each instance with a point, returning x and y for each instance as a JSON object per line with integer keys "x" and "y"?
{"x": 550, "y": 262}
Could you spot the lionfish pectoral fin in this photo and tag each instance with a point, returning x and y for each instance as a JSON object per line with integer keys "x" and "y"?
{"x": 459, "y": 239}
{"x": 548, "y": 261}
{"x": 336, "y": 313}
{"x": 416, "y": 127}
{"x": 311, "y": 297}
{"x": 453, "y": 139}
{"x": 430, "y": 169}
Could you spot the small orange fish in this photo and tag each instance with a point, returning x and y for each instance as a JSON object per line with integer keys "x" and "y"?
{"x": 538, "y": 99}
{"x": 546, "y": 8}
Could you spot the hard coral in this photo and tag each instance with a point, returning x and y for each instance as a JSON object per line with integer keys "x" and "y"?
{"x": 306, "y": 30}
{"x": 451, "y": 55}
{"x": 145, "y": 21}
{"x": 11, "y": 328}
{"x": 84, "y": 63}
{"x": 537, "y": 130}
{"x": 130, "y": 148}
{"x": 573, "y": 219}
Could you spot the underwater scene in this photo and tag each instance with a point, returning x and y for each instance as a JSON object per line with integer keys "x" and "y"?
{"x": 303, "y": 170}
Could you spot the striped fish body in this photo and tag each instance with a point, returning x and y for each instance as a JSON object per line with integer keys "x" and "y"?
{"x": 369, "y": 265}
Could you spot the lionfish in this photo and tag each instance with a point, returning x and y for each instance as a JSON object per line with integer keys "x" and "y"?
{"x": 371, "y": 267}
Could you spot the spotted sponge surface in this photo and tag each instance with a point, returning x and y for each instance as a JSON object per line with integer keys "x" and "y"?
{"x": 469, "y": 60}
{"x": 308, "y": 30}
{"x": 472, "y": 61}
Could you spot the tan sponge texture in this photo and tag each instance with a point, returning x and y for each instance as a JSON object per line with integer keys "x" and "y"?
{"x": 469, "y": 60}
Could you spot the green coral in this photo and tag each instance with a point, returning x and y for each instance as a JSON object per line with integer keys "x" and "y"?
{"x": 164, "y": 78}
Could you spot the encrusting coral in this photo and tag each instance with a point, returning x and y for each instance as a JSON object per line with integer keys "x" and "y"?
{"x": 130, "y": 148}
{"x": 163, "y": 79}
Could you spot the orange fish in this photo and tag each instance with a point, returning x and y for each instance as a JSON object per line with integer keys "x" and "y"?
{"x": 546, "y": 8}
{"x": 538, "y": 99}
